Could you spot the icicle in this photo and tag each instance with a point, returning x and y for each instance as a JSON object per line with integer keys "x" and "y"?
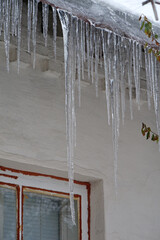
{"x": 29, "y": 24}
{"x": 96, "y": 61}
{"x": 122, "y": 78}
{"x": 84, "y": 41}
{"x": 100, "y": 50}
{"x": 115, "y": 105}
{"x": 92, "y": 31}
{"x": 136, "y": 71}
{"x": 45, "y": 10}
{"x": 156, "y": 88}
{"x": 153, "y": 76}
{"x": 113, "y": 89}
{"x": 138, "y": 66}
{"x": 88, "y": 49}
{"x": 1, "y": 15}
{"x": 150, "y": 72}
{"x": 82, "y": 49}
{"x": 73, "y": 72}
{"x": 117, "y": 82}
{"x": 129, "y": 55}
{"x": 54, "y": 29}
{"x": 34, "y": 29}
{"x": 78, "y": 60}
{"x": 140, "y": 55}
{"x": 106, "y": 73}
{"x": 147, "y": 79}
{"x": 14, "y": 17}
{"x": 7, "y": 30}
{"x": 20, "y": 3}
{"x": 68, "y": 54}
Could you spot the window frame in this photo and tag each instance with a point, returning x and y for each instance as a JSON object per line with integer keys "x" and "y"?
{"x": 54, "y": 193}
{"x": 23, "y": 180}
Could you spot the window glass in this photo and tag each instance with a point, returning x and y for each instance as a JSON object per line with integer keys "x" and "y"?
{"x": 8, "y": 215}
{"x": 47, "y": 217}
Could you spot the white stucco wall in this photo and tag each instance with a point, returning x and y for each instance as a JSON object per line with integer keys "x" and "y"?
{"x": 32, "y": 137}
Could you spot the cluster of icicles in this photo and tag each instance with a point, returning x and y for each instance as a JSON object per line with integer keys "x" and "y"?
{"x": 86, "y": 45}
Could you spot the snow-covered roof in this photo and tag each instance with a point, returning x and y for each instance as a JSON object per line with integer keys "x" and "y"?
{"x": 106, "y": 15}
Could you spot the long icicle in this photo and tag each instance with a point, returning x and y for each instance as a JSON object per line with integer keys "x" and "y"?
{"x": 29, "y": 24}
{"x": 54, "y": 29}
{"x": 7, "y": 30}
{"x": 106, "y": 73}
{"x": 96, "y": 61}
{"x": 78, "y": 60}
{"x": 45, "y": 10}
{"x": 20, "y": 3}
{"x": 65, "y": 22}
{"x": 129, "y": 55}
{"x": 88, "y": 48}
{"x": 34, "y": 29}
{"x": 147, "y": 80}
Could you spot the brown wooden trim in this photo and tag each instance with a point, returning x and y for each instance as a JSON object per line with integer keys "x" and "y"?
{"x": 7, "y": 175}
{"x": 41, "y": 175}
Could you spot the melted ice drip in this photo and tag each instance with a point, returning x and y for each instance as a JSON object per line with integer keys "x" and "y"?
{"x": 69, "y": 27}
{"x": 45, "y": 9}
{"x": 34, "y": 28}
{"x": 54, "y": 29}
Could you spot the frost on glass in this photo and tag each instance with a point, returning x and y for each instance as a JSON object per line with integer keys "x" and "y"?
{"x": 48, "y": 217}
{"x": 8, "y": 214}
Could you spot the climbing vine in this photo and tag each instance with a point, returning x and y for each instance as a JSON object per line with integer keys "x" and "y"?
{"x": 147, "y": 132}
{"x": 146, "y": 25}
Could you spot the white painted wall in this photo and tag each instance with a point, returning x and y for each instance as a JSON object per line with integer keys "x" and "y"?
{"x": 32, "y": 137}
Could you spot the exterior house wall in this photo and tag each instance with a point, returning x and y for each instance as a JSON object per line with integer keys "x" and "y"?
{"x": 32, "y": 137}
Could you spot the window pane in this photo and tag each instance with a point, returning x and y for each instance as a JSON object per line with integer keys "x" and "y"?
{"x": 48, "y": 218}
{"x": 8, "y": 216}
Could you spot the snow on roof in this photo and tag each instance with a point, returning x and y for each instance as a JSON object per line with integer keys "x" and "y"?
{"x": 121, "y": 17}
{"x": 133, "y": 6}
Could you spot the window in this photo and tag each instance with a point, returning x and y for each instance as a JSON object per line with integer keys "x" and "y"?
{"x": 46, "y": 216}
{"x": 8, "y": 212}
{"x": 37, "y": 207}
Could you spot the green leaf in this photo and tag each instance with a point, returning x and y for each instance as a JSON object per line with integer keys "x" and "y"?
{"x": 142, "y": 25}
{"x": 156, "y": 36}
{"x": 152, "y": 137}
{"x": 148, "y": 135}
